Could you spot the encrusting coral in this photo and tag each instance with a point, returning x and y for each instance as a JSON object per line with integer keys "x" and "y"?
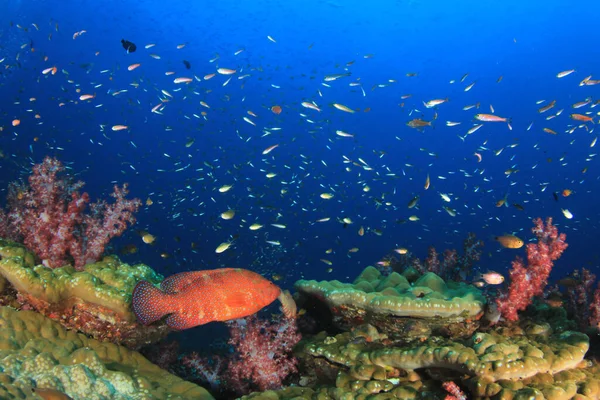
{"x": 36, "y": 352}
{"x": 95, "y": 301}
{"x": 405, "y": 306}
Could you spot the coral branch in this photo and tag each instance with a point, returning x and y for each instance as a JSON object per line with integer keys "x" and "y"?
{"x": 594, "y": 319}
{"x": 205, "y": 370}
{"x": 454, "y": 266}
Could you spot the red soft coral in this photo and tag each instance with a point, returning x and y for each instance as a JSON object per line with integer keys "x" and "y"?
{"x": 527, "y": 281}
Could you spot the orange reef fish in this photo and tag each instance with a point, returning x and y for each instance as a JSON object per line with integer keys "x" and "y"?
{"x": 509, "y": 241}
{"x": 199, "y": 297}
{"x": 584, "y": 118}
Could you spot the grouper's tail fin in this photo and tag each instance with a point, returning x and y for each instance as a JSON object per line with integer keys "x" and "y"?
{"x": 149, "y": 303}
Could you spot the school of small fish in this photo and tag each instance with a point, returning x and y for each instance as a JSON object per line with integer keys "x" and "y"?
{"x": 251, "y": 165}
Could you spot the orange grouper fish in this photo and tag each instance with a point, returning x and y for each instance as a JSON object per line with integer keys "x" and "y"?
{"x": 199, "y": 297}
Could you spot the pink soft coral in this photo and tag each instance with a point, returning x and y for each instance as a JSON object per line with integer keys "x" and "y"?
{"x": 263, "y": 353}
{"x": 49, "y": 214}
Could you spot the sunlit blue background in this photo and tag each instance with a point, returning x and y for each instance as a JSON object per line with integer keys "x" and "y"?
{"x": 527, "y": 43}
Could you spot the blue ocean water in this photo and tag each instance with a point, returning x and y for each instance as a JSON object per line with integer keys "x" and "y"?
{"x": 389, "y": 49}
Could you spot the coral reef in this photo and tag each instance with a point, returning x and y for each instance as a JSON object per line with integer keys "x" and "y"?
{"x": 360, "y": 356}
{"x": 452, "y": 266}
{"x": 527, "y": 361}
{"x": 408, "y": 335}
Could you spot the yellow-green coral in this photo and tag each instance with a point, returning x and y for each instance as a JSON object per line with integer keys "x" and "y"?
{"x": 578, "y": 384}
{"x": 406, "y": 307}
{"x": 96, "y": 301}
{"x": 581, "y": 383}
{"x": 38, "y": 352}
{"x": 490, "y": 365}
{"x": 108, "y": 283}
{"x": 488, "y": 355}
{"x": 429, "y": 296}
{"x": 14, "y": 250}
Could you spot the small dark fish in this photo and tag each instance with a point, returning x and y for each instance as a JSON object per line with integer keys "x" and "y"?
{"x": 518, "y": 207}
{"x": 129, "y": 46}
{"x": 569, "y": 281}
{"x": 555, "y": 195}
{"x": 187, "y": 64}
{"x": 413, "y": 202}
{"x": 129, "y": 249}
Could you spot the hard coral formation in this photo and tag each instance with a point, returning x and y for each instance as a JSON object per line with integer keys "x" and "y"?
{"x": 37, "y": 352}
{"x": 529, "y": 362}
{"x": 406, "y": 307}
{"x": 95, "y": 301}
{"x": 490, "y": 356}
{"x": 577, "y": 384}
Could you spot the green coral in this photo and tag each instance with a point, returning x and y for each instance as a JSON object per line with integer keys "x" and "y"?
{"x": 490, "y": 365}
{"x": 581, "y": 383}
{"x": 96, "y": 300}
{"x": 37, "y": 352}
{"x": 487, "y": 355}
{"x": 405, "y": 309}
{"x": 429, "y": 296}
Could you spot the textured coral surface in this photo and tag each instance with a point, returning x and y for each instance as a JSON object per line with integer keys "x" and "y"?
{"x": 38, "y": 352}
